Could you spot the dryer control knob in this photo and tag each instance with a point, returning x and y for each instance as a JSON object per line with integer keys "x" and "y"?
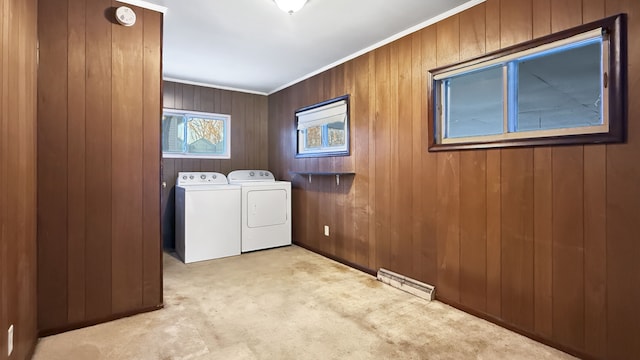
{"x": 191, "y": 177}
{"x": 252, "y": 173}
{"x": 184, "y": 177}
{"x": 203, "y": 176}
{"x": 214, "y": 176}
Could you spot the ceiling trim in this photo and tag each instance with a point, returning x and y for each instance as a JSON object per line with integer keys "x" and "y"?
{"x": 197, "y": 83}
{"x": 146, "y": 5}
{"x": 386, "y": 41}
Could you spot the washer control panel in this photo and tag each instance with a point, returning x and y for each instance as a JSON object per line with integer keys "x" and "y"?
{"x": 250, "y": 176}
{"x": 201, "y": 178}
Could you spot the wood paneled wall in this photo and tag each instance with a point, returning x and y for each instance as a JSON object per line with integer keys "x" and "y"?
{"x": 542, "y": 240}
{"x": 99, "y": 106}
{"x": 18, "y": 276}
{"x": 249, "y": 140}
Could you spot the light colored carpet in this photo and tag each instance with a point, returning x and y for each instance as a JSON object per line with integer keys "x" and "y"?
{"x": 289, "y": 303}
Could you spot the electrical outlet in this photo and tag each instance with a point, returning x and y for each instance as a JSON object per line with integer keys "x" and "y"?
{"x": 10, "y": 340}
{"x": 326, "y": 230}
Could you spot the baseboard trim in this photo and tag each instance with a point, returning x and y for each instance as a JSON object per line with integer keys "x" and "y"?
{"x": 82, "y": 324}
{"x": 365, "y": 270}
{"x": 502, "y": 323}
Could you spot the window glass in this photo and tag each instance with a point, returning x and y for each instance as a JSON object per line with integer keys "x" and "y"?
{"x": 172, "y": 133}
{"x": 335, "y": 134}
{"x": 206, "y": 136}
{"x": 561, "y": 88}
{"x": 565, "y": 88}
{"x": 475, "y": 105}
{"x": 193, "y": 134}
{"x": 314, "y": 137}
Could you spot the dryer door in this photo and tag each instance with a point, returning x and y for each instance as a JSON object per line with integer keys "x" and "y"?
{"x": 266, "y": 207}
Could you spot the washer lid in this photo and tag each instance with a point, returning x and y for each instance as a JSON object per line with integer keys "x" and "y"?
{"x": 243, "y": 176}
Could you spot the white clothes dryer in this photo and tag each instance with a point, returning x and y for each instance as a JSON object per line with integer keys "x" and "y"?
{"x": 266, "y": 209}
{"x": 207, "y": 216}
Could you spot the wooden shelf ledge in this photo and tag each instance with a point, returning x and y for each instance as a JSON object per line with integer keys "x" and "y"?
{"x": 310, "y": 174}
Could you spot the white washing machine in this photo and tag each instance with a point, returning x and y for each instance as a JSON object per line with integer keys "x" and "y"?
{"x": 207, "y": 216}
{"x": 266, "y": 209}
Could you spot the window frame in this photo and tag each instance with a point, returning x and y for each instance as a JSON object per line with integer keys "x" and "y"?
{"x": 615, "y": 91}
{"x": 325, "y": 151}
{"x": 190, "y": 114}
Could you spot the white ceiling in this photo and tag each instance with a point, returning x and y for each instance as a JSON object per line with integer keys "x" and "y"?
{"x": 251, "y": 45}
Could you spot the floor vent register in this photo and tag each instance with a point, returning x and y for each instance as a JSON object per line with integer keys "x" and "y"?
{"x": 409, "y": 285}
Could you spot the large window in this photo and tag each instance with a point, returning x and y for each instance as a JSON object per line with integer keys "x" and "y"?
{"x": 195, "y": 134}
{"x": 323, "y": 129}
{"x": 565, "y": 88}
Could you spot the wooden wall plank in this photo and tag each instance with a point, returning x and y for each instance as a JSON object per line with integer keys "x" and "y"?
{"x": 515, "y": 22}
{"x": 565, "y": 14}
{"x": 360, "y": 120}
{"x": 541, "y": 12}
{"x": 18, "y": 104}
{"x": 126, "y": 168}
{"x": 568, "y": 246}
{"x": 347, "y": 189}
{"x": 4, "y": 169}
{"x": 517, "y": 237}
{"x": 418, "y": 117}
{"x": 52, "y": 155}
{"x": 492, "y": 27}
{"x": 383, "y": 161}
{"x": 595, "y": 228}
{"x": 403, "y": 260}
{"x": 543, "y": 241}
{"x": 429, "y": 244}
{"x": 373, "y": 125}
{"x": 595, "y": 249}
{"x": 623, "y": 194}
{"x": 98, "y": 162}
{"x": 494, "y": 233}
{"x": 76, "y": 161}
{"x": 448, "y": 181}
{"x": 152, "y": 107}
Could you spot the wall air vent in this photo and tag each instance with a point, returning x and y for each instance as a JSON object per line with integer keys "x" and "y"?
{"x": 409, "y": 285}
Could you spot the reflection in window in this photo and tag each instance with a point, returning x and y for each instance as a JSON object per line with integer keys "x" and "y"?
{"x": 207, "y": 135}
{"x": 475, "y": 103}
{"x": 314, "y": 137}
{"x": 560, "y": 89}
{"x": 335, "y": 136}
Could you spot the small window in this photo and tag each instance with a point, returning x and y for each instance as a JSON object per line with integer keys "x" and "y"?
{"x": 564, "y": 88}
{"x": 195, "y": 135}
{"x": 323, "y": 129}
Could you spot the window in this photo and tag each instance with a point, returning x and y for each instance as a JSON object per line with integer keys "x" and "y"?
{"x": 195, "y": 135}
{"x": 564, "y": 88}
{"x": 323, "y": 129}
